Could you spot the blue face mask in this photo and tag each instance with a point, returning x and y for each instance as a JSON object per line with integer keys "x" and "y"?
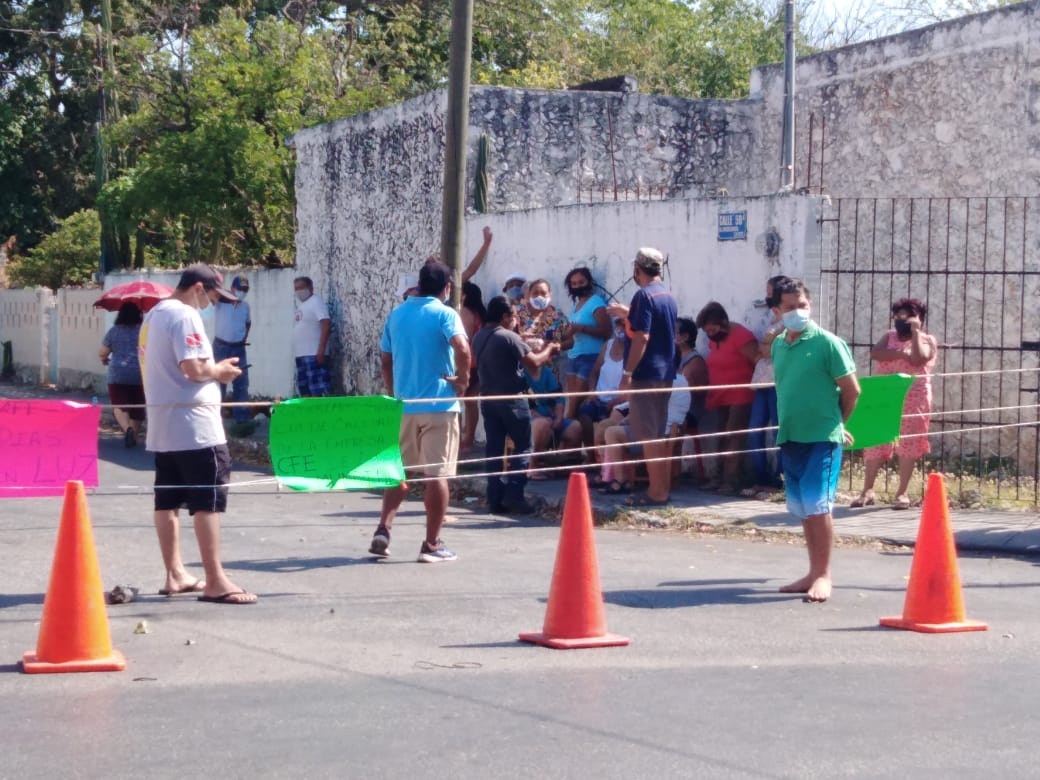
{"x": 796, "y": 320}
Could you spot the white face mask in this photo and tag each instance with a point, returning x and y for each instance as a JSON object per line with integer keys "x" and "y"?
{"x": 202, "y": 301}
{"x": 241, "y": 294}
{"x": 540, "y": 302}
{"x": 302, "y": 295}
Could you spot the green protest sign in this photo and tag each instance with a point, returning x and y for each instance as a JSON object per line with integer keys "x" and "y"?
{"x": 342, "y": 443}
{"x": 879, "y": 411}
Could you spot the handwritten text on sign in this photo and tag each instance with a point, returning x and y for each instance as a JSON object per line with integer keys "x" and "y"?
{"x": 342, "y": 443}
{"x": 44, "y": 444}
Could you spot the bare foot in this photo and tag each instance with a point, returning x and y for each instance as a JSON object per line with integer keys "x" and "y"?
{"x": 814, "y": 588}
{"x": 819, "y": 591}
{"x": 798, "y": 586}
{"x": 182, "y": 582}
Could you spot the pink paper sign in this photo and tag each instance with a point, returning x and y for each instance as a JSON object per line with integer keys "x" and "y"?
{"x": 44, "y": 444}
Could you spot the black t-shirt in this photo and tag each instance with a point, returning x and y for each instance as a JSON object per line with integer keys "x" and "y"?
{"x": 498, "y": 353}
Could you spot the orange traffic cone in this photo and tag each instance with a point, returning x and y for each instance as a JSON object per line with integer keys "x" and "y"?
{"x": 74, "y": 633}
{"x": 933, "y": 598}
{"x": 575, "y": 617}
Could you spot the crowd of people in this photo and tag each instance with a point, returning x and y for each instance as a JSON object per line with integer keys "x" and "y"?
{"x": 618, "y": 388}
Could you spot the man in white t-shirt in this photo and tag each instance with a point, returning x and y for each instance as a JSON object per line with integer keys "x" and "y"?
{"x": 310, "y": 339}
{"x": 185, "y": 431}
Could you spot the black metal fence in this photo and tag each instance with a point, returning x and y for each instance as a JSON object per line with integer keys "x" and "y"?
{"x": 976, "y": 262}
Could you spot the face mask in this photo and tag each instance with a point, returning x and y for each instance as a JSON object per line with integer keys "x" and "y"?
{"x": 241, "y": 294}
{"x": 580, "y": 292}
{"x": 619, "y": 334}
{"x": 903, "y": 328}
{"x": 796, "y": 320}
{"x": 540, "y": 302}
{"x": 302, "y": 295}
{"x": 202, "y": 302}
{"x": 515, "y": 293}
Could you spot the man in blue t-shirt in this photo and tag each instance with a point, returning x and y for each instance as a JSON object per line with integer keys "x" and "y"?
{"x": 650, "y": 365}
{"x": 425, "y": 355}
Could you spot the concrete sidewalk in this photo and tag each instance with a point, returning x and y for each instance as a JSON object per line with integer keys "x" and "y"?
{"x": 974, "y": 529}
{"x": 982, "y": 530}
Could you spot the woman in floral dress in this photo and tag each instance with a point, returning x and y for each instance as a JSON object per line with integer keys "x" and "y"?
{"x": 906, "y": 349}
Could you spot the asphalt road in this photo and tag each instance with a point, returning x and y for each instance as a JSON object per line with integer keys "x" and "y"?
{"x": 350, "y": 668}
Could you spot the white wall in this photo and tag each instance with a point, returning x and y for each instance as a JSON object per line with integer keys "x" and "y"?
{"x": 605, "y": 237}
{"x": 80, "y": 330}
{"x": 23, "y": 318}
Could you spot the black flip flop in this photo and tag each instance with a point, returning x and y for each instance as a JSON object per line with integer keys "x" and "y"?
{"x": 225, "y": 598}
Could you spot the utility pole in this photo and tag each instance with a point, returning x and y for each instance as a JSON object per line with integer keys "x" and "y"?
{"x": 452, "y": 204}
{"x": 787, "y": 146}
{"x": 109, "y": 111}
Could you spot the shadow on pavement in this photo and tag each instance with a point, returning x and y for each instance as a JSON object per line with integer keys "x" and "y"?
{"x": 290, "y": 565}
{"x": 112, "y": 450}
{"x": 20, "y": 599}
{"x": 693, "y": 597}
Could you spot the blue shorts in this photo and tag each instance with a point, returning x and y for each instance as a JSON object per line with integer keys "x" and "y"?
{"x": 811, "y": 474}
{"x": 594, "y": 409}
{"x": 581, "y": 366}
{"x": 311, "y": 379}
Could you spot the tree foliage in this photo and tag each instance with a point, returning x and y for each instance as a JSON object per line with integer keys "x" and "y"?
{"x": 170, "y": 117}
{"x": 68, "y": 256}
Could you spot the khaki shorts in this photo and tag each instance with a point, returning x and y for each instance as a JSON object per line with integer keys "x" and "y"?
{"x": 430, "y": 443}
{"x": 648, "y": 412}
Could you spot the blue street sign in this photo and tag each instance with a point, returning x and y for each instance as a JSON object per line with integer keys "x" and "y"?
{"x": 733, "y": 226}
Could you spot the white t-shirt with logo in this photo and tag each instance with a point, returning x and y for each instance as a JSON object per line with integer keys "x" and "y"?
{"x": 182, "y": 414}
{"x": 307, "y": 327}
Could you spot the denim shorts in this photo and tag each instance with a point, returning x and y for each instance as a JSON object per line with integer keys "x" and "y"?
{"x": 811, "y": 472}
{"x": 581, "y": 366}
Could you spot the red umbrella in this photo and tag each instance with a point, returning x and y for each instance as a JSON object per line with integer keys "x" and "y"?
{"x": 144, "y": 294}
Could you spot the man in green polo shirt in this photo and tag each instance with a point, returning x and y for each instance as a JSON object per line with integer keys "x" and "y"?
{"x": 816, "y": 390}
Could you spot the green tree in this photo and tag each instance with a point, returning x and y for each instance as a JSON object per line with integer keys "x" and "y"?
{"x": 68, "y": 256}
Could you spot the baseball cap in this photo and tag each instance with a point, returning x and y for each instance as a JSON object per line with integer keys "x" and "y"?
{"x": 650, "y": 260}
{"x": 515, "y": 278}
{"x": 211, "y": 280}
{"x": 240, "y": 283}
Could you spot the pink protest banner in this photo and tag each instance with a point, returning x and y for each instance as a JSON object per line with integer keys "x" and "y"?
{"x": 43, "y": 444}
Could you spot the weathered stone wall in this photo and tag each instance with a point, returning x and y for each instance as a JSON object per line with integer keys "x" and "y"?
{"x": 948, "y": 110}
{"x": 369, "y": 187}
{"x": 548, "y": 147}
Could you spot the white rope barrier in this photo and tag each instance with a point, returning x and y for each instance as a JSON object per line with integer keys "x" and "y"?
{"x": 624, "y": 446}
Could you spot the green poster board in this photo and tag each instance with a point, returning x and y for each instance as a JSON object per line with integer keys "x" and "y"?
{"x": 879, "y": 411}
{"x": 342, "y": 443}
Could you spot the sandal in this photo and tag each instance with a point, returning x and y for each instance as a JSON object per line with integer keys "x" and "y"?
{"x": 596, "y": 481}
{"x": 643, "y": 500}
{"x": 901, "y": 502}
{"x": 864, "y": 501}
{"x": 616, "y": 488}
